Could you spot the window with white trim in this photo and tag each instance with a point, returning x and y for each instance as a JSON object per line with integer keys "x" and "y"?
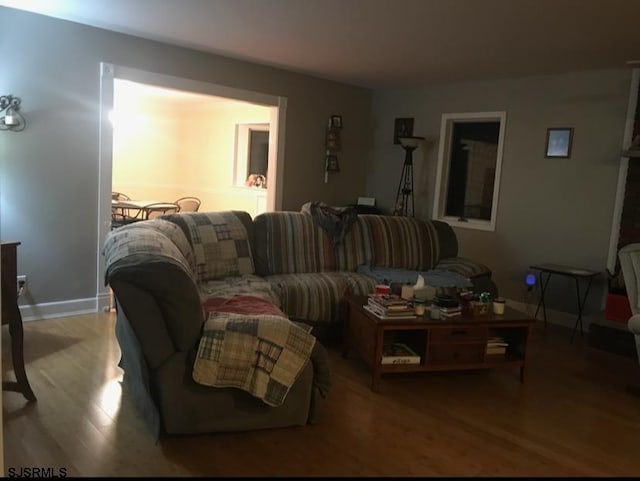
{"x": 468, "y": 172}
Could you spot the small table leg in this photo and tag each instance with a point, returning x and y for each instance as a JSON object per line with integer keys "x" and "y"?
{"x": 581, "y": 302}
{"x": 543, "y": 287}
{"x": 17, "y": 356}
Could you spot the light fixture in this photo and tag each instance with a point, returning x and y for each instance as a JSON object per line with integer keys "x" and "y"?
{"x": 12, "y": 118}
{"x": 404, "y": 204}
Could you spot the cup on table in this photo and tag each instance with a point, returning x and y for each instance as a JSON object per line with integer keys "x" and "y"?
{"x": 498, "y": 305}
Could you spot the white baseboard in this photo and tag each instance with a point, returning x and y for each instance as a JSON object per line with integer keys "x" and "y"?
{"x": 74, "y": 307}
{"x": 560, "y": 318}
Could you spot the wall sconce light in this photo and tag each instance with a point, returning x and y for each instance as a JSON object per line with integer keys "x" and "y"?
{"x": 11, "y": 119}
{"x": 404, "y": 204}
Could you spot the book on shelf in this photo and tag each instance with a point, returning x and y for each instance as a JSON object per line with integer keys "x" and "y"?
{"x": 387, "y": 317}
{"x": 495, "y": 350}
{"x": 399, "y": 353}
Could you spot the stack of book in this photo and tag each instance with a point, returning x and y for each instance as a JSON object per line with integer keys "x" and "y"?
{"x": 446, "y": 312}
{"x": 496, "y": 346}
{"x": 389, "y": 306}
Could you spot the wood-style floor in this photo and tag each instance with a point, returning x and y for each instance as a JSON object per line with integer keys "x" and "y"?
{"x": 572, "y": 417}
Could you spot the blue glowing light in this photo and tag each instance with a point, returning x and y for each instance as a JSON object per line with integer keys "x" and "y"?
{"x": 530, "y": 280}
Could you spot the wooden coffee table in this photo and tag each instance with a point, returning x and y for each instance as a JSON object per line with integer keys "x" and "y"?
{"x": 452, "y": 344}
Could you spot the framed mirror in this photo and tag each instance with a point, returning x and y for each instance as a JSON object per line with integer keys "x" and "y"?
{"x": 468, "y": 171}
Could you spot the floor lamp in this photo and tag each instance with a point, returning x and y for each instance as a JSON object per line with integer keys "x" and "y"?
{"x": 404, "y": 204}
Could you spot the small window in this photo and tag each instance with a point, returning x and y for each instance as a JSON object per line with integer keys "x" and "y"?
{"x": 468, "y": 172}
{"x": 252, "y": 155}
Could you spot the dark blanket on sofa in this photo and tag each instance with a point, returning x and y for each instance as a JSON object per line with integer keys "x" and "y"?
{"x": 336, "y": 221}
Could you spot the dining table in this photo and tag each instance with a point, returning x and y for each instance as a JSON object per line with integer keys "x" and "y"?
{"x": 140, "y": 208}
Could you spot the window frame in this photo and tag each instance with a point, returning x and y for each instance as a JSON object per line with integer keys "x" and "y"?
{"x": 444, "y": 162}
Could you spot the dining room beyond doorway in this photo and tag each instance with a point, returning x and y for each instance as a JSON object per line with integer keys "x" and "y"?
{"x": 169, "y": 144}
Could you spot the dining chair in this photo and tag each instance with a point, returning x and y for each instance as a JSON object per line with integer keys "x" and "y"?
{"x": 119, "y": 196}
{"x": 188, "y": 204}
{"x": 156, "y": 209}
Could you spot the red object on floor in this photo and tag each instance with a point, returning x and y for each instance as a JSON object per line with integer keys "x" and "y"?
{"x": 617, "y": 308}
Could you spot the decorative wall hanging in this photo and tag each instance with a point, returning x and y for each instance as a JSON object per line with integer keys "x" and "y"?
{"x": 333, "y": 144}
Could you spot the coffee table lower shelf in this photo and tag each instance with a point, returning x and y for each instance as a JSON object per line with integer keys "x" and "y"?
{"x": 455, "y": 344}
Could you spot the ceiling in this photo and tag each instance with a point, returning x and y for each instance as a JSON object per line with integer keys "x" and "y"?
{"x": 381, "y": 43}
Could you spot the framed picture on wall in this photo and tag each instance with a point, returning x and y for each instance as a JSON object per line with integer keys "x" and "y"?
{"x": 332, "y": 163}
{"x": 336, "y": 122}
{"x": 559, "y": 141}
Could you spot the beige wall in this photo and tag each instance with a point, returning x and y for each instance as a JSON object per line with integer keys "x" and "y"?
{"x": 550, "y": 210}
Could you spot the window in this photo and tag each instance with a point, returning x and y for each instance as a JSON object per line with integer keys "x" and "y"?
{"x": 468, "y": 172}
{"x": 252, "y": 155}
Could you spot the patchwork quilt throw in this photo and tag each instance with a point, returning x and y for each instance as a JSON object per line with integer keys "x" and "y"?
{"x": 261, "y": 354}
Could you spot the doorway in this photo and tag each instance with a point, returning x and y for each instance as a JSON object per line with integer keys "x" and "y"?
{"x": 188, "y": 107}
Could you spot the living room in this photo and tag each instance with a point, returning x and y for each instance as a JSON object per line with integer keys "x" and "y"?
{"x": 550, "y": 210}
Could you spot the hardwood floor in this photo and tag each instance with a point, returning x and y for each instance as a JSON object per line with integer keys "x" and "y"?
{"x": 572, "y": 417}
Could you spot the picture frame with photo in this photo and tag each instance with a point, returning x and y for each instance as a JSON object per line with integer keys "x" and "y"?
{"x": 335, "y": 121}
{"x": 559, "y": 142}
{"x": 332, "y": 164}
{"x": 332, "y": 140}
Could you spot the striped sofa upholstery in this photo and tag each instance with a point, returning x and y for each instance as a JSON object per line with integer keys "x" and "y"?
{"x": 298, "y": 259}
{"x": 311, "y": 277}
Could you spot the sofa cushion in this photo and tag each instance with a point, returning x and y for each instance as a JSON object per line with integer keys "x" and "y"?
{"x": 220, "y": 243}
{"x": 402, "y": 242}
{"x": 291, "y": 242}
{"x": 356, "y": 247}
{"x": 358, "y": 284}
{"x": 312, "y": 296}
{"x": 464, "y": 266}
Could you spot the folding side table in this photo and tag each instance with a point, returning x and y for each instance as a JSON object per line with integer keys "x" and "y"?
{"x": 576, "y": 274}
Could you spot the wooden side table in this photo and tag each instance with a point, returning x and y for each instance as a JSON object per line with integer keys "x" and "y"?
{"x": 11, "y": 315}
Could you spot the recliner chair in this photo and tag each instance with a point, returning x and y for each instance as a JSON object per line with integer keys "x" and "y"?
{"x": 630, "y": 262}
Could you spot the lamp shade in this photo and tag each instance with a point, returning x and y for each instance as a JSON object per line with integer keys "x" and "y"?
{"x": 411, "y": 142}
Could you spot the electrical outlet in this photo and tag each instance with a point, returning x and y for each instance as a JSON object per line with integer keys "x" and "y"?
{"x": 21, "y": 282}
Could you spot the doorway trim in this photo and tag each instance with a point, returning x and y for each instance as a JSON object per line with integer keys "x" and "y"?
{"x": 108, "y": 73}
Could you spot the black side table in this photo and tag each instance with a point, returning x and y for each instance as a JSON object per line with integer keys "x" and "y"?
{"x": 576, "y": 273}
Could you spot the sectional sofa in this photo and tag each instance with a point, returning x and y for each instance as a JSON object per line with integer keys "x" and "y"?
{"x": 166, "y": 272}
{"x": 311, "y": 272}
